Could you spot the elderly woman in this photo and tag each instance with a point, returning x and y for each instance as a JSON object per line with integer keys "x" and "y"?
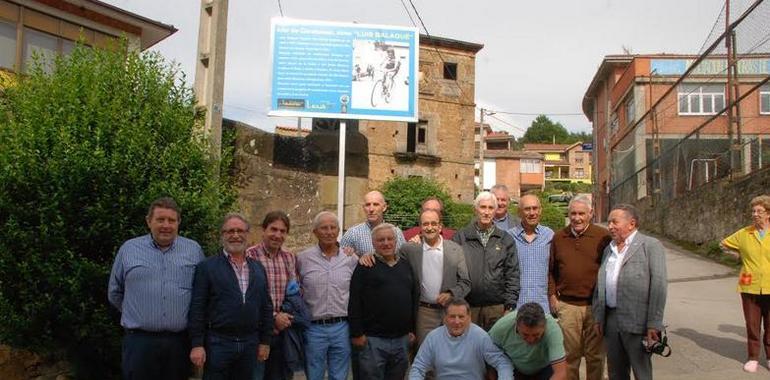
{"x": 752, "y": 246}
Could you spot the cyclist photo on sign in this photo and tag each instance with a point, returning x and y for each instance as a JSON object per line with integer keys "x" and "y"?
{"x": 390, "y": 66}
{"x": 387, "y": 87}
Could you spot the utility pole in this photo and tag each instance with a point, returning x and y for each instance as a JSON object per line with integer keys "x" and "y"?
{"x": 481, "y": 149}
{"x": 210, "y": 69}
{"x": 730, "y": 93}
{"x": 656, "y": 180}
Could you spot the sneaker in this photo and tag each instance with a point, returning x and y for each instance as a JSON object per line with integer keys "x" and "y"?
{"x": 751, "y": 366}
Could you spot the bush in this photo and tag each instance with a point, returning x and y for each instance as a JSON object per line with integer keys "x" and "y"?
{"x": 458, "y": 215}
{"x": 86, "y": 147}
{"x": 405, "y": 196}
{"x": 553, "y": 215}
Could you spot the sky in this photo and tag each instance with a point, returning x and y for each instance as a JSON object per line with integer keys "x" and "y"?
{"x": 538, "y": 56}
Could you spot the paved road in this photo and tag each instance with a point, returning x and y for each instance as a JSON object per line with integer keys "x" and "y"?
{"x": 705, "y": 321}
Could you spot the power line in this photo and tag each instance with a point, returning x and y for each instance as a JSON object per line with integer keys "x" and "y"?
{"x": 408, "y": 14}
{"x": 507, "y": 123}
{"x": 536, "y": 113}
{"x": 280, "y": 7}
{"x": 453, "y": 76}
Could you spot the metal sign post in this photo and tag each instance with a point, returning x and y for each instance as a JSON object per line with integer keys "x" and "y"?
{"x": 341, "y": 178}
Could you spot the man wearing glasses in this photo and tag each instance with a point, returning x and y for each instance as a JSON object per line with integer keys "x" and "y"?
{"x": 231, "y": 314}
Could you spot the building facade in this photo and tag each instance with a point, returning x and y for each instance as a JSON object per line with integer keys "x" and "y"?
{"x": 440, "y": 145}
{"x": 564, "y": 162}
{"x": 627, "y": 134}
{"x": 48, "y": 27}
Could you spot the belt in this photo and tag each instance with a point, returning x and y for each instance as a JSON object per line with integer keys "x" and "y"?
{"x": 575, "y": 299}
{"x": 329, "y": 321}
{"x": 431, "y": 305}
{"x": 156, "y": 333}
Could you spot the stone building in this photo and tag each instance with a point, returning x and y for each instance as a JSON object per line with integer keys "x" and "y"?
{"x": 440, "y": 145}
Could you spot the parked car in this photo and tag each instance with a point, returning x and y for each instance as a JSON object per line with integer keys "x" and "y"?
{"x": 563, "y": 197}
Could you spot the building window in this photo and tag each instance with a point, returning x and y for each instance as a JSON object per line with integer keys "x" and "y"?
{"x": 530, "y": 166}
{"x": 701, "y": 99}
{"x": 416, "y": 135}
{"x": 450, "y": 70}
{"x": 41, "y": 45}
{"x": 7, "y": 44}
{"x": 578, "y": 160}
{"x": 764, "y": 99}
{"x": 630, "y": 111}
{"x": 580, "y": 173}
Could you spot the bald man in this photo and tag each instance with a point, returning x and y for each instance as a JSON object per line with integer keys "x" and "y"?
{"x": 359, "y": 237}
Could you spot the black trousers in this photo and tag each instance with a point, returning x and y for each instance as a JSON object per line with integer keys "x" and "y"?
{"x": 152, "y": 355}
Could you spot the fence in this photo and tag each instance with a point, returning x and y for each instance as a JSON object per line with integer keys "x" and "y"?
{"x": 703, "y": 118}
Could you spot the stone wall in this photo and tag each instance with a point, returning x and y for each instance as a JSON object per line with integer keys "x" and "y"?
{"x": 709, "y": 213}
{"x": 18, "y": 364}
{"x": 297, "y": 175}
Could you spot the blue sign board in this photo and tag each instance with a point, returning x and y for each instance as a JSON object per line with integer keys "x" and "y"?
{"x": 345, "y": 71}
{"x": 668, "y": 66}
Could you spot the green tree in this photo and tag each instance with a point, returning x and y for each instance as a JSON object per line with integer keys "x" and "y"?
{"x": 584, "y": 137}
{"x": 545, "y": 131}
{"x": 86, "y": 146}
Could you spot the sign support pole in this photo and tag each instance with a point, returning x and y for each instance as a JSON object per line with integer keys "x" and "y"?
{"x": 341, "y": 177}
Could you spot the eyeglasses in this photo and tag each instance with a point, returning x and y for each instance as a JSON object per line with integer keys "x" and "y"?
{"x": 234, "y": 232}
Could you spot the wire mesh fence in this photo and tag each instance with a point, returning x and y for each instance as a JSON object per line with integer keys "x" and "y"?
{"x": 687, "y": 121}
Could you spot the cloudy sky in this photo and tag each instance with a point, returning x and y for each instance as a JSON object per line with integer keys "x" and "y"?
{"x": 538, "y": 56}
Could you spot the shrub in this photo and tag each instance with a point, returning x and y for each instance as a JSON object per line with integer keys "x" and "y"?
{"x": 86, "y": 146}
{"x": 405, "y": 196}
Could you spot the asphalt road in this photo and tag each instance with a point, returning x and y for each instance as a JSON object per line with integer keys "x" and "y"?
{"x": 705, "y": 321}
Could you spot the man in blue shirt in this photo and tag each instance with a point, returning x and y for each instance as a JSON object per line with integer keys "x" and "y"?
{"x": 151, "y": 285}
{"x": 533, "y": 244}
{"x": 502, "y": 218}
{"x": 359, "y": 237}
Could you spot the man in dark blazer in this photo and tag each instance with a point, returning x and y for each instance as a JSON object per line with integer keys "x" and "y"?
{"x": 439, "y": 266}
{"x": 231, "y": 314}
{"x": 630, "y": 296}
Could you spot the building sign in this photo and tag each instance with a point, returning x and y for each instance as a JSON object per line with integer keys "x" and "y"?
{"x": 345, "y": 71}
{"x": 746, "y": 66}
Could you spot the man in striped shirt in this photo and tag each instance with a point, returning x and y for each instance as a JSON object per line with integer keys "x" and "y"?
{"x": 151, "y": 285}
{"x": 280, "y": 266}
{"x": 325, "y": 272}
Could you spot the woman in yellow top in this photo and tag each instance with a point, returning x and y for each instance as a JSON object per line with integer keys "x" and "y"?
{"x": 752, "y": 246}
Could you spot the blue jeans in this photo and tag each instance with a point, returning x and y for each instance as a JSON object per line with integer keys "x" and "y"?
{"x": 230, "y": 357}
{"x": 327, "y": 347}
{"x": 384, "y": 358}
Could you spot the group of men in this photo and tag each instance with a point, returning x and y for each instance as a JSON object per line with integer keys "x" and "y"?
{"x": 503, "y": 296}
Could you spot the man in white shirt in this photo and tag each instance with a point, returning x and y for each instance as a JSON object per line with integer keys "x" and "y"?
{"x": 630, "y": 296}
